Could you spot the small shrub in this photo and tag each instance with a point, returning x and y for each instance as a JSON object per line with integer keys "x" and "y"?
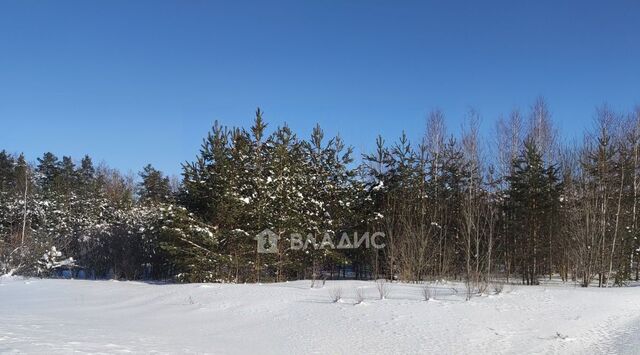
{"x": 497, "y": 287}
{"x": 426, "y": 292}
{"x": 335, "y": 294}
{"x": 359, "y": 295}
{"x": 469, "y": 290}
{"x": 482, "y": 287}
{"x": 383, "y": 288}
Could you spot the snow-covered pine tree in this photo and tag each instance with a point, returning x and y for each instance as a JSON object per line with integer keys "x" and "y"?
{"x": 220, "y": 189}
{"x": 285, "y": 199}
{"x": 155, "y": 187}
{"x": 52, "y": 216}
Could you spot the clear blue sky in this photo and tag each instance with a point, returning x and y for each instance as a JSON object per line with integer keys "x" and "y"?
{"x": 136, "y": 82}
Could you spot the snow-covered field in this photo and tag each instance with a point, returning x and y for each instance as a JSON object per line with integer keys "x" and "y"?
{"x": 65, "y": 316}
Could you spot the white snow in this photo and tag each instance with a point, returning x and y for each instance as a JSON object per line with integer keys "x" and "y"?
{"x": 379, "y": 186}
{"x": 64, "y": 316}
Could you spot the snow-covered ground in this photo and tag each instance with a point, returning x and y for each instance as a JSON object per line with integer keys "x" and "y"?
{"x": 65, "y": 316}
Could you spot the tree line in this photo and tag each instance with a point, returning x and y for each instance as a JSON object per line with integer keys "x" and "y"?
{"x": 520, "y": 206}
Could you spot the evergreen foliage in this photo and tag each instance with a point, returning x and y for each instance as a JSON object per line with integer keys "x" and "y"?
{"x": 446, "y": 210}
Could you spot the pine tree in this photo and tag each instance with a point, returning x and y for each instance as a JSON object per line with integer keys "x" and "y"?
{"x": 155, "y": 187}
{"x": 48, "y": 169}
{"x": 533, "y": 199}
